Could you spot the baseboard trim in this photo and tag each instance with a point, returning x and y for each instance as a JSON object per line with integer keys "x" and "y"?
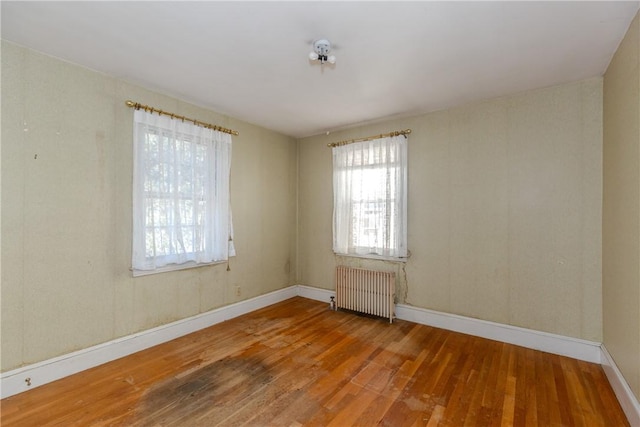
{"x": 588, "y": 351}
{"x": 551, "y": 343}
{"x": 623, "y": 392}
{"x": 15, "y": 381}
{"x": 317, "y": 294}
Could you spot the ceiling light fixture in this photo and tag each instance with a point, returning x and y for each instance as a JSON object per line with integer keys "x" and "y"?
{"x": 321, "y": 49}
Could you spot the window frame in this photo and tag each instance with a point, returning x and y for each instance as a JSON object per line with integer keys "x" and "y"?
{"x": 205, "y": 175}
{"x": 394, "y": 198}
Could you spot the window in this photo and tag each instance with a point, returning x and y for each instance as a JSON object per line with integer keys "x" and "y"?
{"x": 370, "y": 198}
{"x": 181, "y": 210}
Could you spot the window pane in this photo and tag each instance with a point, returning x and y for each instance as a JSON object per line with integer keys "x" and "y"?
{"x": 179, "y": 169}
{"x": 369, "y": 198}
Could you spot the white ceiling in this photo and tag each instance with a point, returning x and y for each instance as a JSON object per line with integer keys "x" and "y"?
{"x": 250, "y": 60}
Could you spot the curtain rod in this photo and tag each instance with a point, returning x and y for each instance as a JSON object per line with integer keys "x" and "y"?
{"x": 152, "y": 110}
{"x": 371, "y": 138}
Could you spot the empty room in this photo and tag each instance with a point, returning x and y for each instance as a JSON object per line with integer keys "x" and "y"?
{"x": 320, "y": 213}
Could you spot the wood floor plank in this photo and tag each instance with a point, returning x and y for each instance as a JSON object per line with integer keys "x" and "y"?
{"x": 296, "y": 363}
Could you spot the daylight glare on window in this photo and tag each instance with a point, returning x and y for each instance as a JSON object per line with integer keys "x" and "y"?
{"x": 164, "y": 179}
{"x": 181, "y": 206}
{"x": 369, "y": 180}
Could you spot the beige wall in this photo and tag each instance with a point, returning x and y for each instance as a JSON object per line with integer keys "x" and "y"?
{"x": 504, "y": 210}
{"x": 505, "y": 216}
{"x": 66, "y": 213}
{"x": 621, "y": 208}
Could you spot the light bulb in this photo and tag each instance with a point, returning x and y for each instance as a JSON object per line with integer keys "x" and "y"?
{"x": 331, "y": 59}
{"x": 313, "y": 56}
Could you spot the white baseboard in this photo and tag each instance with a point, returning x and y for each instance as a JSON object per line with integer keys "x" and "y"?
{"x": 557, "y": 344}
{"x": 588, "y": 351}
{"x": 15, "y": 381}
{"x": 317, "y": 294}
{"x": 621, "y": 388}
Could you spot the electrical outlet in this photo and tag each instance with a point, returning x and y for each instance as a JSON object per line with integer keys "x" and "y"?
{"x": 237, "y": 290}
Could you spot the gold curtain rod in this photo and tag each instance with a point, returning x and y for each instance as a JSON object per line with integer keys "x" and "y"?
{"x": 370, "y": 138}
{"x": 152, "y": 110}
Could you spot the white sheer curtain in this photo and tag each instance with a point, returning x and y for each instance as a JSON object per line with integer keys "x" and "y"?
{"x": 370, "y": 198}
{"x": 181, "y": 207}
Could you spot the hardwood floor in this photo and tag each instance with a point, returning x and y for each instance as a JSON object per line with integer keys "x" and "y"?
{"x": 297, "y": 363}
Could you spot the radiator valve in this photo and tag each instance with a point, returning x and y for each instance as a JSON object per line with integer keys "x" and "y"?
{"x": 332, "y": 303}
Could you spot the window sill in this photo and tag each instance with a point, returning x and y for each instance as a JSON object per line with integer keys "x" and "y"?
{"x": 174, "y": 267}
{"x": 374, "y": 257}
